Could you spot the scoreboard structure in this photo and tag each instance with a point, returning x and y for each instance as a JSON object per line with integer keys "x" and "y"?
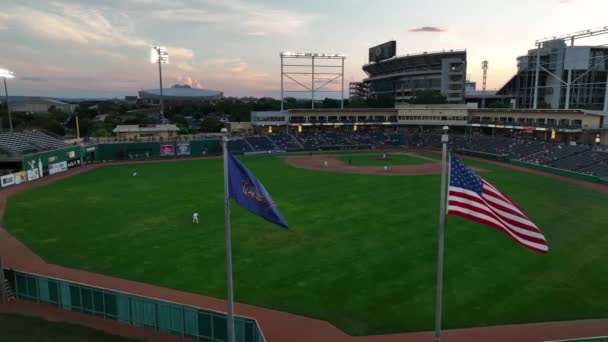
{"x": 383, "y": 51}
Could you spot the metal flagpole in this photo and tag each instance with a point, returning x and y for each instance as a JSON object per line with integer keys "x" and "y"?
{"x": 536, "y": 73}
{"x": 160, "y": 79}
{"x": 8, "y": 108}
{"x": 444, "y": 140}
{"x": 229, "y": 291}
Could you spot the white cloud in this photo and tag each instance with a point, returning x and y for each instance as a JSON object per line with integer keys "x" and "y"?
{"x": 236, "y": 70}
{"x": 189, "y": 15}
{"x": 160, "y": 3}
{"x": 181, "y": 79}
{"x": 95, "y": 27}
{"x": 180, "y": 52}
{"x": 3, "y": 21}
{"x": 184, "y": 66}
{"x": 248, "y": 18}
{"x": 109, "y": 54}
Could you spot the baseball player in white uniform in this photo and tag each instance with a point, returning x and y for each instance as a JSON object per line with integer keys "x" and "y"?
{"x": 195, "y": 217}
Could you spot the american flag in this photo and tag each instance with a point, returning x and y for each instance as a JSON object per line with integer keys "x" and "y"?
{"x": 474, "y": 198}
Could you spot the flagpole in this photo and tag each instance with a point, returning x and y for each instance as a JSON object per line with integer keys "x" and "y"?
{"x": 438, "y": 300}
{"x": 229, "y": 290}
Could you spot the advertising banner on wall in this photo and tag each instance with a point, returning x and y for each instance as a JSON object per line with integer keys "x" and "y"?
{"x": 73, "y": 163}
{"x": 34, "y": 169}
{"x": 183, "y": 149}
{"x": 58, "y": 167}
{"x": 33, "y": 174}
{"x": 167, "y": 150}
{"x": 7, "y": 180}
{"x": 20, "y": 177}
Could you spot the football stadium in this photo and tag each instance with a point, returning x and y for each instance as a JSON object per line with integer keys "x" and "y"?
{"x": 321, "y": 224}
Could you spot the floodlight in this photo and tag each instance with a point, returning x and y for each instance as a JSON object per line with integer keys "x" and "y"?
{"x": 6, "y": 73}
{"x": 159, "y": 54}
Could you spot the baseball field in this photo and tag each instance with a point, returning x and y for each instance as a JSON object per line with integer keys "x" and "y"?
{"x": 361, "y": 248}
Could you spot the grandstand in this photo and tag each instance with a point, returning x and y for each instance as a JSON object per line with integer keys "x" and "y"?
{"x": 579, "y": 158}
{"x": 16, "y": 144}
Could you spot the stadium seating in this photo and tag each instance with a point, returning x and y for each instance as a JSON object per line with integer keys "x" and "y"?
{"x": 19, "y": 143}
{"x": 238, "y": 146}
{"x": 284, "y": 141}
{"x": 260, "y": 143}
{"x": 579, "y": 158}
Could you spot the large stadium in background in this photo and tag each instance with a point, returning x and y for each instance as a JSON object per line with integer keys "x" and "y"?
{"x": 179, "y": 94}
{"x": 399, "y": 77}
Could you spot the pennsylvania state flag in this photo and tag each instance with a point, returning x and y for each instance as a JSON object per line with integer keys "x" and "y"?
{"x": 250, "y": 194}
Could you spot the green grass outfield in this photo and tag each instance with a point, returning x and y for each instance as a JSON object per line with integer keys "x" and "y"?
{"x": 375, "y": 159}
{"x": 15, "y": 328}
{"x": 360, "y": 252}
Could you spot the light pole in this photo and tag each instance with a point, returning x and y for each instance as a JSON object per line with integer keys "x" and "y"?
{"x": 7, "y": 74}
{"x": 159, "y": 55}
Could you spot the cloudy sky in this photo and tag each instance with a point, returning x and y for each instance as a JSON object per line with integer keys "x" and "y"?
{"x": 91, "y": 48}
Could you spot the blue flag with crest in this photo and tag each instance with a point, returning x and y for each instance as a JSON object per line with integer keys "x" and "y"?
{"x": 250, "y": 194}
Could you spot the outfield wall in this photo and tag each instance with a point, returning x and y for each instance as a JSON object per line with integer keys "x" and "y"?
{"x": 40, "y": 164}
{"x": 138, "y": 311}
{"x": 146, "y": 150}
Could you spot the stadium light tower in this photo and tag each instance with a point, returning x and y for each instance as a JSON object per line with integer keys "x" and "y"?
{"x": 299, "y": 63}
{"x": 159, "y": 55}
{"x": 484, "y": 67}
{"x": 7, "y": 74}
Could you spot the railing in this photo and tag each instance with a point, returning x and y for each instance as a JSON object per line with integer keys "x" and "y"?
{"x": 183, "y": 137}
{"x": 525, "y": 124}
{"x": 159, "y": 315}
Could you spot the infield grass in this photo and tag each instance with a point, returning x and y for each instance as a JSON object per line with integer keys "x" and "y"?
{"x": 360, "y": 251}
{"x": 376, "y": 159}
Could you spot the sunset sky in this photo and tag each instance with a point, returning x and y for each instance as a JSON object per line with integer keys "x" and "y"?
{"x": 101, "y": 48}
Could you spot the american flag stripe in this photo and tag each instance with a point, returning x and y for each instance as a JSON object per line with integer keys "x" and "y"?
{"x": 540, "y": 248}
{"x": 514, "y": 220}
{"x": 478, "y": 205}
{"x": 489, "y": 188}
{"x": 474, "y": 198}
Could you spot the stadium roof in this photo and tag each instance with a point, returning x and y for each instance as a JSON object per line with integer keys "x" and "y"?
{"x": 183, "y": 91}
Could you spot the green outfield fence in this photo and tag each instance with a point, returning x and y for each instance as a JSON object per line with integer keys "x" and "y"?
{"x": 163, "y": 316}
{"x": 64, "y": 154}
{"x": 144, "y": 150}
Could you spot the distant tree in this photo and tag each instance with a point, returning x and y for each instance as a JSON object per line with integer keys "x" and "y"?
{"x": 330, "y": 103}
{"x": 101, "y": 132}
{"x": 211, "y": 124}
{"x": 112, "y": 121}
{"x": 183, "y": 129}
{"x": 180, "y": 120}
{"x": 290, "y": 103}
{"x": 355, "y": 103}
{"x": 429, "y": 96}
{"x": 45, "y": 122}
{"x": 86, "y": 127}
{"x": 380, "y": 101}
